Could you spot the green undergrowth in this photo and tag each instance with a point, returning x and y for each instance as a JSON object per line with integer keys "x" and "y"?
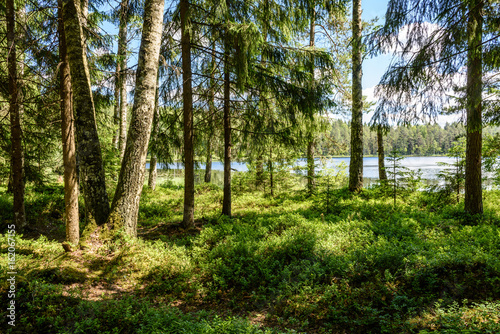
{"x": 46, "y": 309}
{"x": 358, "y": 265}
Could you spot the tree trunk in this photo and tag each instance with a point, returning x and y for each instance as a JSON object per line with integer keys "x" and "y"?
{"x": 259, "y": 174}
{"x": 122, "y": 58}
{"x": 187, "y": 95}
{"x": 271, "y": 171}
{"x": 473, "y": 187}
{"x": 356, "y": 163}
{"x": 88, "y": 147}
{"x": 208, "y": 164}
{"x": 382, "y": 174}
{"x": 116, "y": 113}
{"x": 226, "y": 202}
{"x": 68, "y": 141}
{"x": 311, "y": 181}
{"x": 211, "y": 117}
{"x": 125, "y": 207}
{"x": 153, "y": 172}
{"x": 17, "y": 159}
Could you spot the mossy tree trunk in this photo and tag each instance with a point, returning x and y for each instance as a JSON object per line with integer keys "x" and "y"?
{"x": 16, "y": 135}
{"x": 88, "y": 147}
{"x": 356, "y": 163}
{"x": 382, "y": 174}
{"x": 68, "y": 140}
{"x": 473, "y": 182}
{"x": 153, "y": 171}
{"x": 125, "y": 207}
{"x": 187, "y": 94}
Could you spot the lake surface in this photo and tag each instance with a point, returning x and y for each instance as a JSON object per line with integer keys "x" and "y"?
{"x": 428, "y": 165}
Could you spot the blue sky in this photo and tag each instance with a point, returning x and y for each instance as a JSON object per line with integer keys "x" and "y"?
{"x": 374, "y": 68}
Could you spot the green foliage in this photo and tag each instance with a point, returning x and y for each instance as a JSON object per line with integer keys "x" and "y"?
{"x": 491, "y": 155}
{"x": 362, "y": 267}
{"x": 454, "y": 175}
{"x": 419, "y": 140}
{"x": 483, "y": 317}
{"x": 327, "y": 181}
{"x": 400, "y": 180}
{"x": 47, "y": 309}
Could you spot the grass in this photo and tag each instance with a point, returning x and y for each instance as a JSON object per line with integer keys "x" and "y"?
{"x": 280, "y": 264}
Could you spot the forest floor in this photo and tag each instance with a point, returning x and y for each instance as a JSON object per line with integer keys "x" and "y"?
{"x": 287, "y": 263}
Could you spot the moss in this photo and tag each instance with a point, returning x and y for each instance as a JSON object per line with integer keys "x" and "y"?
{"x": 65, "y": 275}
{"x": 90, "y": 228}
{"x": 115, "y": 224}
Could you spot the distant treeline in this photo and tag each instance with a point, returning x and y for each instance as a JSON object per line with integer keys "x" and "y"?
{"x": 421, "y": 140}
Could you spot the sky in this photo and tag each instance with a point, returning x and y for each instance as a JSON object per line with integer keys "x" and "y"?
{"x": 373, "y": 68}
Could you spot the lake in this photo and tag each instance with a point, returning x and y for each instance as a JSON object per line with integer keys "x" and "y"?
{"x": 428, "y": 165}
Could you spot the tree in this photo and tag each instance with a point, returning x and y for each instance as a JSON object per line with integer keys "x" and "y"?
{"x": 473, "y": 181}
{"x": 125, "y": 207}
{"x": 491, "y": 154}
{"x": 380, "y": 124}
{"x": 311, "y": 184}
{"x": 226, "y": 201}
{"x": 17, "y": 162}
{"x": 121, "y": 72}
{"x": 153, "y": 142}
{"x": 356, "y": 163}
{"x": 68, "y": 141}
{"x": 382, "y": 174}
{"x": 211, "y": 119}
{"x": 434, "y": 50}
{"x": 187, "y": 94}
{"x": 401, "y": 179}
{"x": 88, "y": 146}
{"x": 455, "y": 173}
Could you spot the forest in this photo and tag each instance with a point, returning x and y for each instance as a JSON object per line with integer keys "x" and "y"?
{"x": 99, "y": 233}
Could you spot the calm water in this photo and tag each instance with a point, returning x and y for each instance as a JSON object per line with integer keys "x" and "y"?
{"x": 428, "y": 165}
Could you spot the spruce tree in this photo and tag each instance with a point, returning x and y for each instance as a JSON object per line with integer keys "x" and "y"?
{"x": 68, "y": 141}
{"x": 356, "y": 163}
{"x": 187, "y": 95}
{"x": 434, "y": 51}
{"x": 16, "y": 134}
